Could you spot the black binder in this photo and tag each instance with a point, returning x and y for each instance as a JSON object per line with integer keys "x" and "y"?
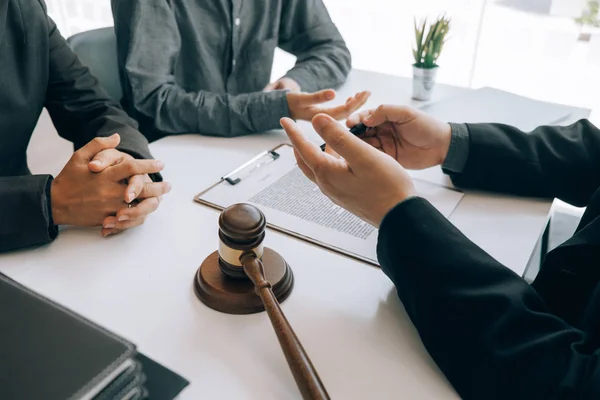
{"x": 49, "y": 352}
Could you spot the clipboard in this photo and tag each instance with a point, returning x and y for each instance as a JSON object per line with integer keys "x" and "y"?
{"x": 250, "y": 167}
{"x": 347, "y": 235}
{"x": 244, "y": 170}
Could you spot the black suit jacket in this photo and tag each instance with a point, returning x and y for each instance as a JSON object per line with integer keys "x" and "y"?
{"x": 37, "y": 70}
{"x": 493, "y": 335}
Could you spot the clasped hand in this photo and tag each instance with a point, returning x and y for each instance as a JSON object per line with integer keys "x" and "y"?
{"x": 101, "y": 186}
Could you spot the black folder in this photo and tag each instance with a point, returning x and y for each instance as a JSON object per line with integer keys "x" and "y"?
{"x": 49, "y": 352}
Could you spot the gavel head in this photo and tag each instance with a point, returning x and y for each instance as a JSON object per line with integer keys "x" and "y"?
{"x": 241, "y": 231}
{"x": 221, "y": 281}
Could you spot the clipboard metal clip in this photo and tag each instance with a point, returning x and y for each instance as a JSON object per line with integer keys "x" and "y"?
{"x": 237, "y": 175}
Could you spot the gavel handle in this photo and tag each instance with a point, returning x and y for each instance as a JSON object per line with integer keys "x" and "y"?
{"x": 306, "y": 376}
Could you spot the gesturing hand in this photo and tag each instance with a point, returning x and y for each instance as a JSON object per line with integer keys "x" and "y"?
{"x": 362, "y": 180}
{"x": 83, "y": 198}
{"x": 283, "y": 84}
{"x": 413, "y": 138}
{"x": 141, "y": 193}
{"x": 304, "y": 106}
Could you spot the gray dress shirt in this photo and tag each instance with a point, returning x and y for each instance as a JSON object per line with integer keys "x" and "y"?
{"x": 199, "y": 66}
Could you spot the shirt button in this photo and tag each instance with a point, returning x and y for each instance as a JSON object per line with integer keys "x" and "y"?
{"x": 237, "y": 22}
{"x": 233, "y": 62}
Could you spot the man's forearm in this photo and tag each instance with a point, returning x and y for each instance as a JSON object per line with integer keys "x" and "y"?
{"x": 482, "y": 324}
{"x": 551, "y": 161}
{"x": 323, "y": 67}
{"x": 175, "y": 111}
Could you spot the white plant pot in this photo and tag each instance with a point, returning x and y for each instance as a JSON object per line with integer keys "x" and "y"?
{"x": 423, "y": 82}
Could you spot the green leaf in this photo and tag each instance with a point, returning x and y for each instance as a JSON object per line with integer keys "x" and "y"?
{"x": 429, "y": 45}
{"x": 417, "y": 51}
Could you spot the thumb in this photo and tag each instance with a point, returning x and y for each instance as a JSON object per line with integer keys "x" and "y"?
{"x": 344, "y": 143}
{"x": 98, "y": 144}
{"x": 322, "y": 96}
{"x": 271, "y": 86}
{"x": 389, "y": 113}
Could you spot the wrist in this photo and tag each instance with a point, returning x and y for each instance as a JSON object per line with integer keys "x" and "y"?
{"x": 290, "y": 97}
{"x": 290, "y": 84}
{"x": 446, "y": 142}
{"x": 57, "y": 212}
{"x": 399, "y": 205}
{"x": 392, "y": 204}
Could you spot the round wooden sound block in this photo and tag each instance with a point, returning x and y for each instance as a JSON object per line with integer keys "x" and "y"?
{"x": 237, "y": 296}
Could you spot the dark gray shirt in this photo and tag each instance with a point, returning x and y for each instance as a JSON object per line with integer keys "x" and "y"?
{"x": 201, "y": 65}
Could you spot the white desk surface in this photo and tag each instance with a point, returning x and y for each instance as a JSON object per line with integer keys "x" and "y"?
{"x": 347, "y": 314}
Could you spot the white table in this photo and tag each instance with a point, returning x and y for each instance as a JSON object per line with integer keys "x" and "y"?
{"x": 347, "y": 314}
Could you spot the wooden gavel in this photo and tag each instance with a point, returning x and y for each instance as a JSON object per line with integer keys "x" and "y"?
{"x": 244, "y": 277}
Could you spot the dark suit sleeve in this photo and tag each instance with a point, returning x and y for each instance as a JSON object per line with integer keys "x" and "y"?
{"x": 307, "y": 31}
{"x": 562, "y": 162}
{"x": 486, "y": 328}
{"x": 25, "y": 215}
{"x": 79, "y": 107}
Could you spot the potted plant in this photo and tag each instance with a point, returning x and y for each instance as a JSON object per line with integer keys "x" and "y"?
{"x": 589, "y": 20}
{"x": 426, "y": 53}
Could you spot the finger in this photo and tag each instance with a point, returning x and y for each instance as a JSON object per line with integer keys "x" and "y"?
{"x": 290, "y": 84}
{"x": 109, "y": 222}
{"x": 106, "y": 158}
{"x": 98, "y": 144}
{"x": 374, "y": 142}
{"x": 357, "y": 118}
{"x": 322, "y": 96}
{"x": 134, "y": 188}
{"x": 129, "y": 168}
{"x": 351, "y": 148}
{"x": 344, "y": 111}
{"x": 140, "y": 210}
{"x": 270, "y": 87}
{"x": 152, "y": 189}
{"x": 303, "y": 167}
{"x": 110, "y": 232}
{"x": 390, "y": 113}
{"x": 358, "y": 101}
{"x": 310, "y": 153}
{"x": 330, "y": 151}
{"x": 114, "y": 225}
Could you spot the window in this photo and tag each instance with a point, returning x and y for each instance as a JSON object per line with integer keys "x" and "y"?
{"x": 530, "y": 47}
